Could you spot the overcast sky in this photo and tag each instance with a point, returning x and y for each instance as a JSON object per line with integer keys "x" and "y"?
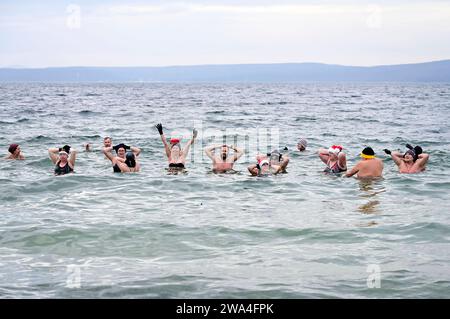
{"x": 160, "y": 33}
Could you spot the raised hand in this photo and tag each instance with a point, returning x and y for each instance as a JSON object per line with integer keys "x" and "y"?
{"x": 160, "y": 128}
{"x": 387, "y": 151}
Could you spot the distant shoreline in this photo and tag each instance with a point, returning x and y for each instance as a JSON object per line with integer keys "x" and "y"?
{"x": 437, "y": 71}
{"x": 230, "y": 82}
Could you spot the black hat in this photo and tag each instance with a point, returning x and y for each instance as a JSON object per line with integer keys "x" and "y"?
{"x": 367, "y": 153}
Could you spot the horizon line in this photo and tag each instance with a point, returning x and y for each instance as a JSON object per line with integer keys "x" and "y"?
{"x": 225, "y": 64}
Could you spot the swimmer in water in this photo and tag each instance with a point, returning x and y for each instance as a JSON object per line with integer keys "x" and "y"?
{"x": 107, "y": 142}
{"x": 302, "y": 144}
{"x": 368, "y": 167}
{"x": 264, "y": 166}
{"x": 176, "y": 155}
{"x": 277, "y": 159}
{"x": 63, "y": 158}
{"x": 15, "y": 153}
{"x": 334, "y": 158}
{"x": 123, "y": 162}
{"x": 223, "y": 162}
{"x": 412, "y": 161}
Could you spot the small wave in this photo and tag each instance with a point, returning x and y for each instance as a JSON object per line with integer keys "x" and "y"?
{"x": 87, "y": 112}
{"x": 22, "y": 120}
{"x": 329, "y": 134}
{"x": 274, "y": 103}
{"x": 60, "y": 94}
{"x": 43, "y": 162}
{"x": 215, "y": 112}
{"x": 369, "y": 120}
{"x": 39, "y": 138}
{"x": 305, "y": 119}
{"x": 90, "y": 136}
{"x": 92, "y": 94}
{"x": 428, "y": 232}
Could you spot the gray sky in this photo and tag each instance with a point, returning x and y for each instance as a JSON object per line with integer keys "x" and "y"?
{"x": 159, "y": 33}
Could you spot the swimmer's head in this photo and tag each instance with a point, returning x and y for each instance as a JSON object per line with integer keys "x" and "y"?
{"x": 409, "y": 156}
{"x": 367, "y": 153}
{"x": 224, "y": 152}
{"x": 301, "y": 145}
{"x": 120, "y": 150}
{"x": 107, "y": 141}
{"x": 335, "y": 150}
{"x": 275, "y": 157}
{"x": 264, "y": 167}
{"x": 14, "y": 149}
{"x": 175, "y": 149}
{"x": 63, "y": 155}
{"x": 130, "y": 159}
{"x": 264, "y": 162}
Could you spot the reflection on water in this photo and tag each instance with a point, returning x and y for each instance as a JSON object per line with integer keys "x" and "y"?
{"x": 370, "y": 207}
{"x": 369, "y": 189}
{"x": 368, "y": 224}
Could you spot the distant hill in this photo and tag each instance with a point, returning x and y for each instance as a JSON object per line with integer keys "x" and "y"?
{"x": 438, "y": 71}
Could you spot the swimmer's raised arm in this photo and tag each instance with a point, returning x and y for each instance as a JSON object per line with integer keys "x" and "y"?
{"x": 284, "y": 163}
{"x": 107, "y": 152}
{"x": 209, "y": 149}
{"x": 422, "y": 159}
{"x": 119, "y": 159}
{"x": 159, "y": 127}
{"x": 253, "y": 169}
{"x": 342, "y": 159}
{"x": 191, "y": 141}
{"x": 238, "y": 152}
{"x": 135, "y": 150}
{"x": 324, "y": 155}
{"x": 52, "y": 154}
{"x": 73, "y": 157}
{"x": 397, "y": 158}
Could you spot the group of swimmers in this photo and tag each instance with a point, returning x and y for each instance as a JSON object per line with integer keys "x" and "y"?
{"x": 126, "y": 160}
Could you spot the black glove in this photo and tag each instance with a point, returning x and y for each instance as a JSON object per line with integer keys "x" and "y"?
{"x": 387, "y": 151}
{"x": 160, "y": 128}
{"x": 408, "y": 146}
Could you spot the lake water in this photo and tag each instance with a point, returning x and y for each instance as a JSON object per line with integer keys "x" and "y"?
{"x": 303, "y": 234}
